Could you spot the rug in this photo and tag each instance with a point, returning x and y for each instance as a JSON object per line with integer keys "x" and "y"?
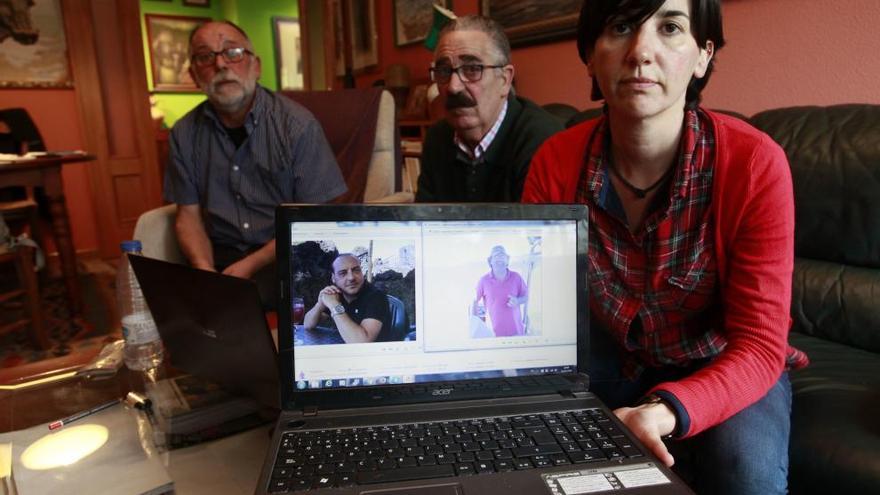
{"x": 65, "y": 335}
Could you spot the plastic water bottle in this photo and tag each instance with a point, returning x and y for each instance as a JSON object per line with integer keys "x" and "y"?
{"x": 143, "y": 347}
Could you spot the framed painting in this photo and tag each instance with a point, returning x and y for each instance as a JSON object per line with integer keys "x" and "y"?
{"x": 33, "y": 54}
{"x": 289, "y": 53}
{"x": 168, "y": 40}
{"x": 413, "y": 19}
{"x": 361, "y": 29}
{"x": 529, "y": 22}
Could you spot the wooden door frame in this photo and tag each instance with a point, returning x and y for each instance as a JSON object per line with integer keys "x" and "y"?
{"x": 91, "y": 82}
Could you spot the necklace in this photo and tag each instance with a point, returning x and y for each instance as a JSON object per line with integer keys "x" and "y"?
{"x": 638, "y": 191}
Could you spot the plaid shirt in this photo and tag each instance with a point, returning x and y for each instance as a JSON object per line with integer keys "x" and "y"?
{"x": 655, "y": 290}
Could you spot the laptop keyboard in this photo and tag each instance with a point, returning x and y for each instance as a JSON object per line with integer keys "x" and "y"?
{"x": 309, "y": 460}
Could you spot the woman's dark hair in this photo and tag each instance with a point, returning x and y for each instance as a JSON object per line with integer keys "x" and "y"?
{"x": 705, "y": 25}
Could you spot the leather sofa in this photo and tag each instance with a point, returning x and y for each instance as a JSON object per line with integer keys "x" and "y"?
{"x": 834, "y": 153}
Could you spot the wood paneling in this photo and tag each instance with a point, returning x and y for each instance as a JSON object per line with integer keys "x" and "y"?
{"x": 106, "y": 55}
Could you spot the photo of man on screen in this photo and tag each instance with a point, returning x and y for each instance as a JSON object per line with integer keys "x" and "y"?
{"x": 357, "y": 309}
{"x": 504, "y": 292}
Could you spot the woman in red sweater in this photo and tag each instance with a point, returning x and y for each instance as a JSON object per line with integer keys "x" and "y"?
{"x": 691, "y": 247}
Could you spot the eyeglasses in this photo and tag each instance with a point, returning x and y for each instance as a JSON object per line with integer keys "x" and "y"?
{"x": 230, "y": 56}
{"x": 466, "y": 72}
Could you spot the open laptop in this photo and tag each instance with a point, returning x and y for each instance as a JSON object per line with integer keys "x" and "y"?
{"x": 212, "y": 326}
{"x": 473, "y": 397}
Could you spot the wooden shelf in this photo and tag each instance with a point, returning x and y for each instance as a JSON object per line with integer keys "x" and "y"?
{"x": 414, "y": 129}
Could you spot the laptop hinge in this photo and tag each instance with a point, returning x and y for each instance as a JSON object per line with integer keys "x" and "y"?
{"x": 310, "y": 411}
{"x": 568, "y": 394}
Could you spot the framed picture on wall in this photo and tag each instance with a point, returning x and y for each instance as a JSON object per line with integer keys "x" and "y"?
{"x": 361, "y": 29}
{"x": 197, "y": 3}
{"x": 168, "y": 39}
{"x": 528, "y": 22}
{"x": 413, "y": 19}
{"x": 289, "y": 53}
{"x": 34, "y": 55}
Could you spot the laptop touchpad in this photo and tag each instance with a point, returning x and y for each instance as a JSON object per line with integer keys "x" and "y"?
{"x": 446, "y": 489}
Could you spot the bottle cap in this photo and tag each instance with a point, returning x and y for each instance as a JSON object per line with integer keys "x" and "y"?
{"x": 131, "y": 246}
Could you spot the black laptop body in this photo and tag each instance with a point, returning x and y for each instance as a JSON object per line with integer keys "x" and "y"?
{"x": 481, "y": 389}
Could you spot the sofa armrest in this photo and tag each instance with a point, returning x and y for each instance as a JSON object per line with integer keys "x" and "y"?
{"x": 155, "y": 230}
{"x": 836, "y": 302}
{"x": 398, "y": 197}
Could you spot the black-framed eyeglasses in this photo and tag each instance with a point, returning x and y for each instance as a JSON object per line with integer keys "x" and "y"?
{"x": 466, "y": 72}
{"x": 230, "y": 56}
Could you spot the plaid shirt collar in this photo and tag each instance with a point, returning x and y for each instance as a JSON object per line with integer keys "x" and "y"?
{"x": 655, "y": 291}
{"x": 596, "y": 183}
{"x": 477, "y": 154}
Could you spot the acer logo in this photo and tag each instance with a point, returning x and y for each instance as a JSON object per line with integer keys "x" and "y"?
{"x": 441, "y": 391}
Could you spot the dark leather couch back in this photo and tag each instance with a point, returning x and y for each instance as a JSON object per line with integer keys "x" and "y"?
{"x": 835, "y": 163}
{"x": 834, "y": 154}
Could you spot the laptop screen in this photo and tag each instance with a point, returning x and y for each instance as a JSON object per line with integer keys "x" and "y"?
{"x": 430, "y": 300}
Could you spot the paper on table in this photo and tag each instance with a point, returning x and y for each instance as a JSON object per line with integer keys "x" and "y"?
{"x": 121, "y": 466}
{"x": 11, "y": 157}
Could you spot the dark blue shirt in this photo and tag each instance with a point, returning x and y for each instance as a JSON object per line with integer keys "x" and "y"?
{"x": 371, "y": 303}
{"x": 285, "y": 158}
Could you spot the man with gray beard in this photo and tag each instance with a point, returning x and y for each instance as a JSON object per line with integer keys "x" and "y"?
{"x": 482, "y": 150}
{"x": 237, "y": 156}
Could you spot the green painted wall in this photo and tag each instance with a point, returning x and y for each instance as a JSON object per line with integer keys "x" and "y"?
{"x": 254, "y": 16}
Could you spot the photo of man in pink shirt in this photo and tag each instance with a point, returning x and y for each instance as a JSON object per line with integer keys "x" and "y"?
{"x": 503, "y": 291}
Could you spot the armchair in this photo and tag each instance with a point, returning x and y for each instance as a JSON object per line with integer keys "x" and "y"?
{"x": 399, "y": 321}
{"x": 343, "y": 115}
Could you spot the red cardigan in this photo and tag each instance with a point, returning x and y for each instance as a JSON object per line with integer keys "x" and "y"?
{"x": 753, "y": 209}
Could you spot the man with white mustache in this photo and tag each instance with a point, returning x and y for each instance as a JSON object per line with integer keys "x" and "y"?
{"x": 238, "y": 155}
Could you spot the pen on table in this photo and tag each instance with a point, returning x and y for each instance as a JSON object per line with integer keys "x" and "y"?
{"x": 61, "y": 422}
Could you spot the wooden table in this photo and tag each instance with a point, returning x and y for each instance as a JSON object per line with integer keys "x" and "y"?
{"x": 45, "y": 171}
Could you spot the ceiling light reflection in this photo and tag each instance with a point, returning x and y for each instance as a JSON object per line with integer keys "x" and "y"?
{"x": 64, "y": 447}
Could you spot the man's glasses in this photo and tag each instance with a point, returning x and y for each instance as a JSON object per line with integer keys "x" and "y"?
{"x": 467, "y": 72}
{"x": 230, "y": 56}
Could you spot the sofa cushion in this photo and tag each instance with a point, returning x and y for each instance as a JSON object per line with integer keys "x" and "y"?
{"x": 836, "y": 302}
{"x": 835, "y": 436}
{"x": 834, "y": 154}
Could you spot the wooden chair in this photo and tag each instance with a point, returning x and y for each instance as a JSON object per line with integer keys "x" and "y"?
{"x": 26, "y": 297}
{"x": 19, "y": 134}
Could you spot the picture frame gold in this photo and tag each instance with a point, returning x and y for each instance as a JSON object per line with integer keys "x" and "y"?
{"x": 34, "y": 55}
{"x": 290, "y": 55}
{"x": 530, "y": 22}
{"x": 362, "y": 32}
{"x": 168, "y": 44}
{"x": 412, "y": 19}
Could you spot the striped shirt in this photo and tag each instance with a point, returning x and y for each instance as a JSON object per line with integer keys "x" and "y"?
{"x": 284, "y": 158}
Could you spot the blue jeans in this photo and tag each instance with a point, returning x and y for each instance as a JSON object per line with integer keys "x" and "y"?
{"x": 746, "y": 454}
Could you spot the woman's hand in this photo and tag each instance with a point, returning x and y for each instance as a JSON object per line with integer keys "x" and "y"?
{"x": 650, "y": 423}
